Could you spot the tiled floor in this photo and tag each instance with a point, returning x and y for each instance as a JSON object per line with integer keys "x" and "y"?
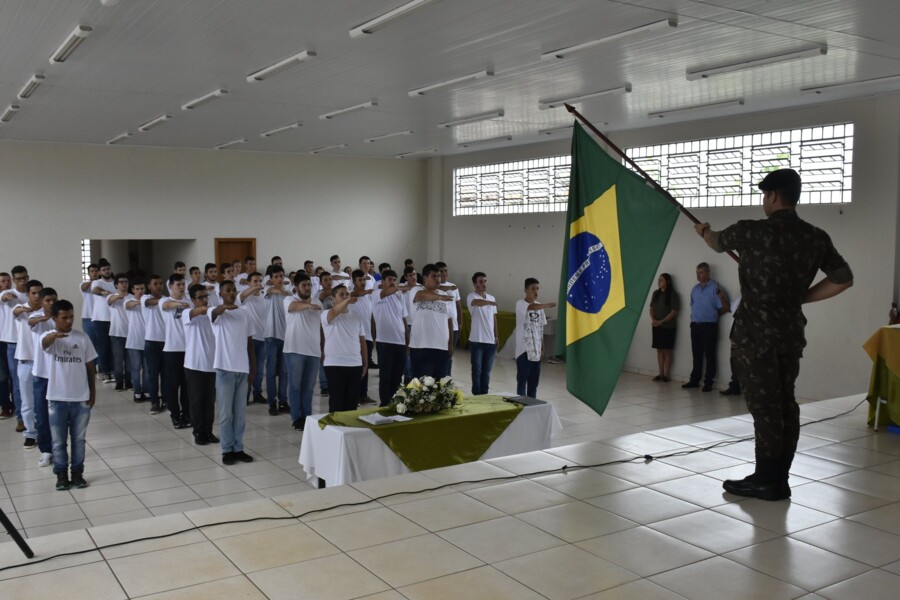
{"x": 663, "y": 529}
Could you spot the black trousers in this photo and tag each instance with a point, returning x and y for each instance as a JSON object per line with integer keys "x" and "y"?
{"x": 201, "y": 388}
{"x": 704, "y": 339}
{"x": 174, "y": 386}
{"x": 343, "y": 387}
{"x": 364, "y": 382}
{"x": 391, "y": 360}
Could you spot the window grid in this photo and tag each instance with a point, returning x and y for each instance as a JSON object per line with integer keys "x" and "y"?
{"x": 525, "y": 186}
{"x": 85, "y": 258}
{"x": 724, "y": 171}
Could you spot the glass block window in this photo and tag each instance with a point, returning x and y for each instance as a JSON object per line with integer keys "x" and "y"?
{"x": 85, "y": 258}
{"x": 724, "y": 171}
{"x": 525, "y": 186}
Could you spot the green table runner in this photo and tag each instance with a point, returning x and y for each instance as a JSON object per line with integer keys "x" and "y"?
{"x": 884, "y": 384}
{"x": 458, "y": 435}
{"x": 506, "y": 325}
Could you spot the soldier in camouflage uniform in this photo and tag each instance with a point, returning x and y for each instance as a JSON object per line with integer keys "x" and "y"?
{"x": 779, "y": 258}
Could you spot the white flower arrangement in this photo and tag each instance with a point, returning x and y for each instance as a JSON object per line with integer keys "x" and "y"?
{"x": 425, "y": 396}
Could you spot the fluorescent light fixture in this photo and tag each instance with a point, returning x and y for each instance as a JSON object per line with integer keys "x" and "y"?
{"x": 556, "y": 130}
{"x": 389, "y": 135}
{"x": 281, "y": 65}
{"x": 231, "y": 143}
{"x": 9, "y": 113}
{"x": 154, "y": 122}
{"x": 74, "y": 40}
{"x": 688, "y": 109}
{"x": 36, "y": 80}
{"x": 648, "y": 28}
{"x": 278, "y": 130}
{"x": 470, "y": 77}
{"x": 379, "y": 22}
{"x": 502, "y": 138}
{"x": 324, "y": 148}
{"x": 349, "y": 109}
{"x": 545, "y": 104}
{"x": 415, "y": 152}
{"x": 850, "y": 85}
{"x": 496, "y": 114}
{"x": 109, "y": 2}
{"x": 204, "y": 99}
{"x": 817, "y": 50}
{"x": 122, "y": 136}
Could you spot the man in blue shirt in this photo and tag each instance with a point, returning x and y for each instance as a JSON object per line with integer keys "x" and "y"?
{"x": 708, "y": 301}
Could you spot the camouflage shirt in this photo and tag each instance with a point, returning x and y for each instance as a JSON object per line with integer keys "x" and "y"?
{"x": 780, "y": 257}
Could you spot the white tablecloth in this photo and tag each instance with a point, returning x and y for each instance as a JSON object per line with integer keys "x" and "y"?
{"x": 341, "y": 455}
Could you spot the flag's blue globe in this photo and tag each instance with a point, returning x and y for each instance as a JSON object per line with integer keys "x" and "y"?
{"x": 590, "y": 274}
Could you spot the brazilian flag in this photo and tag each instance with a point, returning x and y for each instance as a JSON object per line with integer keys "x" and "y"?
{"x": 618, "y": 227}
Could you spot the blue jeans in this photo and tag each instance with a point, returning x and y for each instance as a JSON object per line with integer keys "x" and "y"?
{"x": 302, "y": 371}
{"x": 429, "y": 361}
{"x": 102, "y": 346}
{"x": 13, "y": 369}
{"x": 42, "y": 415}
{"x": 137, "y": 360}
{"x": 274, "y": 358}
{"x": 119, "y": 359}
{"x": 482, "y": 363}
{"x": 231, "y": 404}
{"x": 68, "y": 418}
{"x": 153, "y": 352}
{"x": 259, "y": 349}
{"x": 528, "y": 374}
{"x": 391, "y": 360}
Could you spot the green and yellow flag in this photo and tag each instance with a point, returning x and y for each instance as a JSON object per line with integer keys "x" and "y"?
{"x": 618, "y": 229}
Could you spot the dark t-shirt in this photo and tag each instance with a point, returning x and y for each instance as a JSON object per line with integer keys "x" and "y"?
{"x": 662, "y": 304}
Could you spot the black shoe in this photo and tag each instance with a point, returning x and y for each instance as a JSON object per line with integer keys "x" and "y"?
{"x": 228, "y": 458}
{"x": 78, "y": 481}
{"x": 690, "y": 384}
{"x": 128, "y": 385}
{"x": 260, "y": 399}
{"x": 373, "y": 365}
{"x": 764, "y": 490}
{"x": 145, "y": 397}
{"x": 298, "y": 424}
{"x": 186, "y": 424}
{"x": 731, "y": 392}
{"x": 273, "y": 411}
{"x": 212, "y": 439}
{"x": 180, "y": 424}
{"x": 62, "y": 482}
{"x": 323, "y": 392}
{"x": 154, "y": 408}
{"x": 138, "y": 398}
{"x": 242, "y": 456}
{"x": 707, "y": 388}
{"x": 284, "y": 407}
{"x": 120, "y": 387}
{"x": 30, "y": 443}
{"x": 200, "y": 439}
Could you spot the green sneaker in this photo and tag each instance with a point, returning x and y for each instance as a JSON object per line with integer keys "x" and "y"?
{"x": 78, "y": 481}
{"x": 62, "y": 482}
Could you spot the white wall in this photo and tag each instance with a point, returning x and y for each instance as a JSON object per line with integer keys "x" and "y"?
{"x": 509, "y": 248}
{"x": 54, "y": 195}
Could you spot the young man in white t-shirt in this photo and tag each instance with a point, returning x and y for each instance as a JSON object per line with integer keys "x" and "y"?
{"x": 118, "y": 332}
{"x": 134, "y": 341}
{"x": 234, "y": 363}
{"x": 87, "y": 302}
{"x": 154, "y": 341}
{"x": 362, "y": 307}
{"x": 100, "y": 319}
{"x": 337, "y": 275}
{"x": 431, "y": 336}
{"x": 25, "y": 359}
{"x": 530, "y": 321}
{"x": 195, "y": 275}
{"x": 6, "y": 405}
{"x": 199, "y": 356}
{"x": 450, "y": 288}
{"x": 174, "y": 383}
{"x": 302, "y": 348}
{"x": 346, "y": 355}
{"x": 70, "y": 392}
{"x": 391, "y": 335}
{"x": 40, "y": 323}
{"x": 483, "y": 335}
{"x": 252, "y": 298}
{"x": 276, "y": 366}
{"x": 9, "y": 299}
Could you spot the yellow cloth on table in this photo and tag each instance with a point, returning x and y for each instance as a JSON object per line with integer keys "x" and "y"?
{"x": 884, "y": 350}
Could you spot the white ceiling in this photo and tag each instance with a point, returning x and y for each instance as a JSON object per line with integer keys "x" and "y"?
{"x": 148, "y": 57}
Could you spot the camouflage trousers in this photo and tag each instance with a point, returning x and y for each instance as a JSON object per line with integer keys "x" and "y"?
{"x": 767, "y": 378}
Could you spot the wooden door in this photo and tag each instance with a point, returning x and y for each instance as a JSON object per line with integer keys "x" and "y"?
{"x": 232, "y": 249}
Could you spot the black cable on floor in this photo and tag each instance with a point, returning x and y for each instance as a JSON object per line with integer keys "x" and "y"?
{"x": 564, "y": 469}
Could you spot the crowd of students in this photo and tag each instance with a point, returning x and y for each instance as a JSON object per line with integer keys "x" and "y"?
{"x": 201, "y": 349}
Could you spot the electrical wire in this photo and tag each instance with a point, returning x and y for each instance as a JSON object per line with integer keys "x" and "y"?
{"x": 647, "y": 458}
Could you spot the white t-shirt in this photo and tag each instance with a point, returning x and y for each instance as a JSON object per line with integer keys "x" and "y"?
{"x": 342, "y": 335}
{"x": 482, "y": 319}
{"x": 9, "y": 333}
{"x": 275, "y": 316}
{"x": 100, "y": 308}
{"x": 136, "y": 329}
{"x": 87, "y": 301}
{"x": 429, "y": 323}
{"x": 154, "y": 328}
{"x": 41, "y": 367}
{"x": 231, "y": 330}
{"x": 362, "y": 308}
{"x": 118, "y": 318}
{"x": 255, "y": 305}
{"x": 173, "y": 325}
{"x": 199, "y": 342}
{"x": 213, "y": 298}
{"x": 302, "y": 333}
{"x": 389, "y": 314}
{"x": 68, "y": 380}
{"x": 24, "y": 343}
{"x": 456, "y": 298}
{"x": 536, "y": 319}
{"x": 371, "y": 282}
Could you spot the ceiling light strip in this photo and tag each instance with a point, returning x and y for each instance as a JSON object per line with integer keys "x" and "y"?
{"x": 9, "y": 113}
{"x": 416, "y": 152}
{"x": 556, "y": 130}
{"x": 154, "y": 122}
{"x": 389, "y": 135}
{"x": 332, "y": 147}
{"x": 850, "y": 85}
{"x": 231, "y": 143}
{"x": 496, "y": 114}
{"x": 349, "y": 109}
{"x": 689, "y": 109}
{"x": 494, "y": 140}
{"x": 278, "y": 130}
{"x": 378, "y": 22}
{"x": 470, "y": 77}
{"x": 545, "y": 104}
{"x": 204, "y": 99}
{"x": 648, "y": 28}
{"x": 34, "y": 83}
{"x": 65, "y": 50}
{"x": 281, "y": 65}
{"x": 703, "y": 73}
{"x": 121, "y": 137}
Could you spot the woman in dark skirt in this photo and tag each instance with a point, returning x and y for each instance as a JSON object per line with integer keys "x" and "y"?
{"x": 664, "y": 305}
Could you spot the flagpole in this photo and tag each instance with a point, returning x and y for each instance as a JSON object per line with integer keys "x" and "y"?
{"x": 637, "y": 168}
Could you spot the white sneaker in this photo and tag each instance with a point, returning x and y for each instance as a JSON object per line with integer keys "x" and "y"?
{"x": 46, "y": 459}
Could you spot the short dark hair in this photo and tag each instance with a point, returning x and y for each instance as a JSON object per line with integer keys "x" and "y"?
{"x": 154, "y": 276}
{"x": 47, "y": 291}
{"x": 103, "y": 263}
{"x": 383, "y": 266}
{"x": 300, "y": 277}
{"x": 274, "y": 258}
{"x": 193, "y": 269}
{"x": 703, "y": 265}
{"x": 208, "y": 266}
{"x": 477, "y": 275}
{"x": 119, "y": 276}
{"x": 333, "y": 258}
{"x": 20, "y": 269}
{"x": 389, "y": 273}
{"x": 356, "y": 274}
{"x": 4, "y": 274}
{"x": 90, "y": 266}
{"x": 254, "y": 274}
{"x": 429, "y": 269}
{"x": 530, "y": 282}
{"x": 33, "y": 283}
{"x": 59, "y": 306}
{"x": 408, "y": 270}
{"x": 226, "y": 282}
{"x": 407, "y": 262}
{"x": 179, "y": 264}
{"x": 784, "y": 182}
{"x": 274, "y": 270}
{"x": 248, "y": 257}
{"x": 226, "y": 265}
{"x": 364, "y": 257}
{"x": 440, "y": 264}
{"x": 175, "y": 277}
{"x": 134, "y": 282}
{"x": 196, "y": 289}
{"x": 336, "y": 288}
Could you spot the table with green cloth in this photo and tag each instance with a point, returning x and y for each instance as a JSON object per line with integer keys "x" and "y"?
{"x": 339, "y": 448}
{"x": 506, "y": 325}
{"x": 884, "y": 350}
